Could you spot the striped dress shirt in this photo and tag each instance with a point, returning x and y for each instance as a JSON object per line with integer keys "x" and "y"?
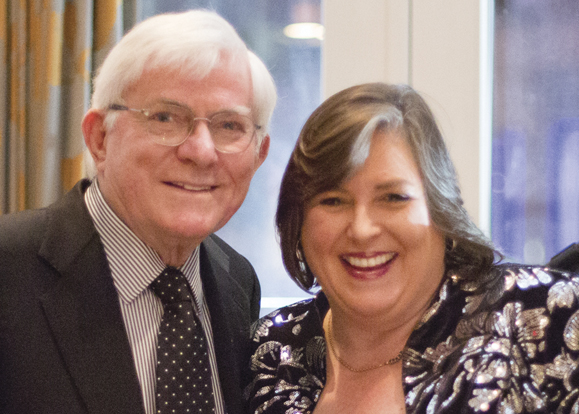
{"x": 134, "y": 265}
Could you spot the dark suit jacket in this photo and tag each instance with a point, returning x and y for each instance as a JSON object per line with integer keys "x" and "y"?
{"x": 63, "y": 346}
{"x": 566, "y": 260}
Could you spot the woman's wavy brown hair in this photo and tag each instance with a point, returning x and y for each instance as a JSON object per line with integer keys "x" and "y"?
{"x": 333, "y": 145}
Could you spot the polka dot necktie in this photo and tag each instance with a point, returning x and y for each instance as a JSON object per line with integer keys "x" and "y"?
{"x": 183, "y": 371}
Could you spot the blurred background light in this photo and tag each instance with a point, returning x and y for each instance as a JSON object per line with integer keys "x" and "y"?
{"x": 304, "y": 31}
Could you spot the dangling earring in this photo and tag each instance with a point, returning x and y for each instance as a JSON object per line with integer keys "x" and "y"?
{"x": 450, "y": 245}
{"x": 299, "y": 254}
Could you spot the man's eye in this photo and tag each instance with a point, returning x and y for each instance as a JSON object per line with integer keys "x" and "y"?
{"x": 162, "y": 117}
{"x": 230, "y": 126}
{"x": 230, "y": 123}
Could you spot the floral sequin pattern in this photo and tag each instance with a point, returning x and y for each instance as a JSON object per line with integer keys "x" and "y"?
{"x": 494, "y": 360}
{"x": 289, "y": 378}
{"x": 511, "y": 347}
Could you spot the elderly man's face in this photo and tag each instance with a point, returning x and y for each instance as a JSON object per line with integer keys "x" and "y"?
{"x": 173, "y": 197}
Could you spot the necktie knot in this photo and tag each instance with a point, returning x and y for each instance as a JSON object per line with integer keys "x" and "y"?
{"x": 171, "y": 286}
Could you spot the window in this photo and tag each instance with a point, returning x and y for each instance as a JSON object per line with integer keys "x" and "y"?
{"x": 535, "y": 184}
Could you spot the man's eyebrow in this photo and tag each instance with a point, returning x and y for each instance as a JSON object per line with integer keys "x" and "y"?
{"x": 239, "y": 109}
{"x": 171, "y": 102}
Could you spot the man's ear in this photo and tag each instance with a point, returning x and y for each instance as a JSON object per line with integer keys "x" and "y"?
{"x": 93, "y": 130}
{"x": 263, "y": 150}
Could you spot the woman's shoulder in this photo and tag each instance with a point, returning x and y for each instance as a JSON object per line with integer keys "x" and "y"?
{"x": 526, "y": 290}
{"x": 525, "y": 276}
{"x": 288, "y": 358}
{"x": 515, "y": 339}
{"x": 538, "y": 285}
{"x": 289, "y": 322}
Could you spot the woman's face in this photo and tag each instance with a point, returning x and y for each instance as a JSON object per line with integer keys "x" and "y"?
{"x": 371, "y": 243}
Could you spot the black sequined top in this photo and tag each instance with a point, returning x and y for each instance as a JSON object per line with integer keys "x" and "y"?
{"x": 512, "y": 349}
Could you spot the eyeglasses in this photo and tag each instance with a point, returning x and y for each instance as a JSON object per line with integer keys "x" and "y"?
{"x": 171, "y": 124}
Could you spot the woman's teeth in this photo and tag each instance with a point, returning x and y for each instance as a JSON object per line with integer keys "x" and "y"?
{"x": 367, "y": 262}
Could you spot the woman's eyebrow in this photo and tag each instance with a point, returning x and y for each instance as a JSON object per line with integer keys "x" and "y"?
{"x": 388, "y": 185}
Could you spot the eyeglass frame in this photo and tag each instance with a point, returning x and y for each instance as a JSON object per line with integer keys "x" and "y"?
{"x": 193, "y": 119}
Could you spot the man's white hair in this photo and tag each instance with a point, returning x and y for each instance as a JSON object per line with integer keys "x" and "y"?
{"x": 192, "y": 43}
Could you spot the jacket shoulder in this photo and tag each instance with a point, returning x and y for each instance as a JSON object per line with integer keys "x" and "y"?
{"x": 22, "y": 231}
{"x": 54, "y": 230}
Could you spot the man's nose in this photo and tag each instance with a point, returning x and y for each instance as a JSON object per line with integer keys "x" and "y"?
{"x": 199, "y": 146}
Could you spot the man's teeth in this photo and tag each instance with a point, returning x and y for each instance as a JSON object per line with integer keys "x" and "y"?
{"x": 192, "y": 188}
{"x": 369, "y": 261}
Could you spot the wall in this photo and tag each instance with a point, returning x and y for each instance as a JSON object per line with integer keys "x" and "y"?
{"x": 442, "y": 49}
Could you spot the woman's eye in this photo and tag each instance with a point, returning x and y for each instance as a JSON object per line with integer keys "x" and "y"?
{"x": 397, "y": 197}
{"x": 331, "y": 201}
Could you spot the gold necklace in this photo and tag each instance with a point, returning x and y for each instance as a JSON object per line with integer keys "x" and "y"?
{"x": 391, "y": 361}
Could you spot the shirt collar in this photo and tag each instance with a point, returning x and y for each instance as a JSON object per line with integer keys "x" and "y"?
{"x": 133, "y": 264}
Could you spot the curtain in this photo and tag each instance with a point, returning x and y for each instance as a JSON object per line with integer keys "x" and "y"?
{"x": 49, "y": 50}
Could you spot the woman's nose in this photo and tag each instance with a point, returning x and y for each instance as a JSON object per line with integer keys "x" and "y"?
{"x": 364, "y": 225}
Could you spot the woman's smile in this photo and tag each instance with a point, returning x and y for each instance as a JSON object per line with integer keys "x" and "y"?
{"x": 362, "y": 266}
{"x": 367, "y": 262}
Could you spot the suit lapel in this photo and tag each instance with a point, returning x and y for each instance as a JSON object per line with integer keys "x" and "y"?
{"x": 221, "y": 296}
{"x": 83, "y": 311}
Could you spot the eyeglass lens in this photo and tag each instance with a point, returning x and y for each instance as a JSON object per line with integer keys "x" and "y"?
{"x": 172, "y": 124}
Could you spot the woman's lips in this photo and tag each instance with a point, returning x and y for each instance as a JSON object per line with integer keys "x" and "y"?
{"x": 362, "y": 266}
